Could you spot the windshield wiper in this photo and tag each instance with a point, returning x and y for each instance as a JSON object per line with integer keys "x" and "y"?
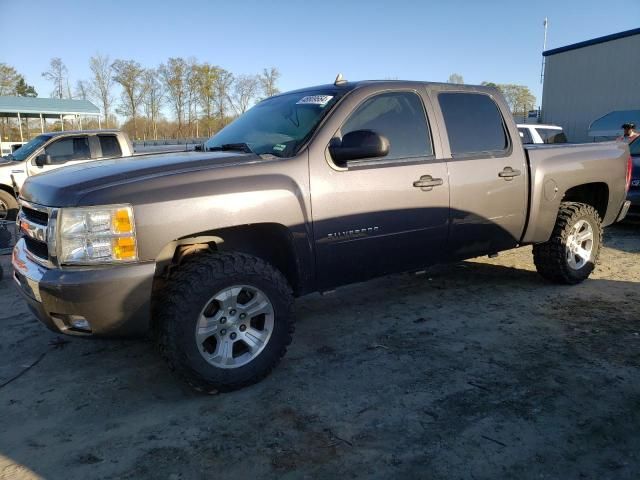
{"x": 240, "y": 147}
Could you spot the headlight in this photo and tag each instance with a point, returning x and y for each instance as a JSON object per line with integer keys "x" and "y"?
{"x": 97, "y": 235}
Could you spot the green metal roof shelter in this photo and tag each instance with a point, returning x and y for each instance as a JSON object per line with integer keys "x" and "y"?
{"x": 44, "y": 108}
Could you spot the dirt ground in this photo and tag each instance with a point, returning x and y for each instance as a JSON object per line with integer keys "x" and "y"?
{"x": 474, "y": 370}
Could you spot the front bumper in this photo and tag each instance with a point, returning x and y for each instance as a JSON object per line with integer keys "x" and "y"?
{"x": 114, "y": 300}
{"x": 634, "y": 197}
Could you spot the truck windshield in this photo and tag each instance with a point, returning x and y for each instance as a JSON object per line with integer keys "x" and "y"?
{"x": 28, "y": 148}
{"x": 278, "y": 125}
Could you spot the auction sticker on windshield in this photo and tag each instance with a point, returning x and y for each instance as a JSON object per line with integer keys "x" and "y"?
{"x": 315, "y": 100}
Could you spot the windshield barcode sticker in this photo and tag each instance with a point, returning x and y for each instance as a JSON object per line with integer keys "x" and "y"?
{"x": 314, "y": 100}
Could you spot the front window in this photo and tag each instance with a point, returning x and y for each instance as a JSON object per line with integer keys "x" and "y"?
{"x": 278, "y": 126}
{"x": 28, "y": 148}
{"x": 634, "y": 147}
{"x": 398, "y": 116}
{"x": 69, "y": 149}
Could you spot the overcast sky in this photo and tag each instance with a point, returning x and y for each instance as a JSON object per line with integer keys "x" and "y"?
{"x": 309, "y": 42}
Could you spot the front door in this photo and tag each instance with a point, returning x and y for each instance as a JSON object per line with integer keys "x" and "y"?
{"x": 383, "y": 215}
{"x": 64, "y": 151}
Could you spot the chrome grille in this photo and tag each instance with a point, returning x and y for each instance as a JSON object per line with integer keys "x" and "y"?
{"x": 33, "y": 226}
{"x": 38, "y": 216}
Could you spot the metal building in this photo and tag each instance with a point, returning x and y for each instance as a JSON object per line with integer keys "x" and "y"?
{"x": 42, "y": 109}
{"x": 587, "y": 80}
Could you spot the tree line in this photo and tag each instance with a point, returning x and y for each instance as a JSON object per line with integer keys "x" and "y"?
{"x": 518, "y": 97}
{"x": 202, "y": 97}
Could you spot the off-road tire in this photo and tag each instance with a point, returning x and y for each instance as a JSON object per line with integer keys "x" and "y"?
{"x": 550, "y": 257}
{"x": 8, "y": 202}
{"x": 189, "y": 288}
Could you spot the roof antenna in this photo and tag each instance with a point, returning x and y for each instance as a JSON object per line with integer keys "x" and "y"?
{"x": 339, "y": 80}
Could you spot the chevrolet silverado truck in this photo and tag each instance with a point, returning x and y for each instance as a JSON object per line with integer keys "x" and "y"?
{"x": 53, "y": 150}
{"x": 307, "y": 191}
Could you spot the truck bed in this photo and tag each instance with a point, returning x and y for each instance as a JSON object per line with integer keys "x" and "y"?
{"x": 555, "y": 169}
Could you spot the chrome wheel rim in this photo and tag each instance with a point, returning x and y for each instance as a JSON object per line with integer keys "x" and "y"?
{"x": 579, "y": 245}
{"x": 4, "y": 210}
{"x": 234, "y": 326}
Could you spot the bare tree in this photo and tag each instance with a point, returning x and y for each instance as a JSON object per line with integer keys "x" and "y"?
{"x": 245, "y": 90}
{"x": 268, "y": 80}
{"x": 174, "y": 76}
{"x": 57, "y": 74}
{"x": 82, "y": 90}
{"x": 102, "y": 83}
{"x": 206, "y": 76}
{"x": 222, "y": 87}
{"x": 456, "y": 78}
{"x": 192, "y": 95}
{"x": 129, "y": 74}
{"x": 152, "y": 99}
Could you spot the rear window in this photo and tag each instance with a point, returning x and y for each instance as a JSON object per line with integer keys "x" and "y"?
{"x": 525, "y": 135}
{"x": 474, "y": 124}
{"x": 110, "y": 146}
{"x": 550, "y": 135}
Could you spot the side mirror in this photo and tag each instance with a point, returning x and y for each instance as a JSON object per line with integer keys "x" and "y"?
{"x": 359, "y": 144}
{"x": 43, "y": 159}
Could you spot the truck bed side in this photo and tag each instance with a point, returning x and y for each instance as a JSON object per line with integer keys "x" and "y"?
{"x": 591, "y": 173}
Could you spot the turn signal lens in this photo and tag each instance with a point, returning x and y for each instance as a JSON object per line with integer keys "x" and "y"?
{"x": 124, "y": 248}
{"x": 122, "y": 221}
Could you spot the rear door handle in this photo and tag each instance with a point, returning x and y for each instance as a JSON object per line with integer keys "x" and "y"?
{"x": 427, "y": 182}
{"x": 508, "y": 173}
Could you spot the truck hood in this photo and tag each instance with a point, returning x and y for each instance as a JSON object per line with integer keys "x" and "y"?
{"x": 65, "y": 187}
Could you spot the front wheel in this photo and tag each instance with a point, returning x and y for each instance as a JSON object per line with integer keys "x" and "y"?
{"x": 8, "y": 206}
{"x": 571, "y": 254}
{"x": 224, "y": 320}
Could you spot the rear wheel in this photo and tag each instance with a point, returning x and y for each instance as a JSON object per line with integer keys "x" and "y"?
{"x": 8, "y": 206}
{"x": 224, "y": 320}
{"x": 572, "y": 252}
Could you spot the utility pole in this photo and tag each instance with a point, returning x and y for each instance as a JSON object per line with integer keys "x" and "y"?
{"x": 544, "y": 47}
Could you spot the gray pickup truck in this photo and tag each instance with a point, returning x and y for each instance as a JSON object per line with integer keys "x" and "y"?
{"x": 54, "y": 150}
{"x": 307, "y": 191}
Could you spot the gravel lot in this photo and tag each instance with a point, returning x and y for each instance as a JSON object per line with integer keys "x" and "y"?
{"x": 474, "y": 370}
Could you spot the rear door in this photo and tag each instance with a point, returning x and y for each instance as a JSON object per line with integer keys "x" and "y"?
{"x": 487, "y": 172}
{"x": 368, "y": 217}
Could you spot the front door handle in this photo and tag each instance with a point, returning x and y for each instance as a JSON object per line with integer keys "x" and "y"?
{"x": 508, "y": 173}
{"x": 427, "y": 182}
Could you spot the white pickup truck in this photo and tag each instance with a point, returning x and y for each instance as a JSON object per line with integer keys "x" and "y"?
{"x": 537, "y": 133}
{"x": 53, "y": 150}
